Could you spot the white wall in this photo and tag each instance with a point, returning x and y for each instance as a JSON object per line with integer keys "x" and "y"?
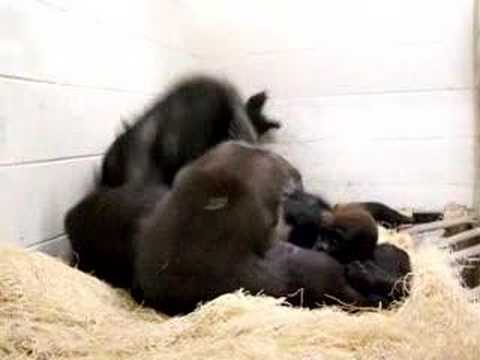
{"x": 69, "y": 71}
{"x": 375, "y": 95}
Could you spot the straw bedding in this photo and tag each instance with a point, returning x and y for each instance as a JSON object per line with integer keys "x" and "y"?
{"x": 51, "y": 311}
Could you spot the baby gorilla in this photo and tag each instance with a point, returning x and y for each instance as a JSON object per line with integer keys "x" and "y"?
{"x": 349, "y": 234}
{"x": 216, "y": 232}
{"x": 195, "y": 115}
{"x": 345, "y": 232}
{"x": 308, "y": 214}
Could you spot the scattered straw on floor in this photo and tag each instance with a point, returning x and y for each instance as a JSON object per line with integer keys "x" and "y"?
{"x": 51, "y": 311}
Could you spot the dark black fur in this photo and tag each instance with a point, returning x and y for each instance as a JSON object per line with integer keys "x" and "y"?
{"x": 195, "y": 115}
{"x": 102, "y": 226}
{"x": 349, "y": 234}
{"x": 391, "y": 218}
{"x": 421, "y": 217}
{"x": 346, "y": 233}
{"x": 306, "y": 214}
{"x": 216, "y": 232}
{"x": 383, "y": 276}
{"x": 315, "y": 223}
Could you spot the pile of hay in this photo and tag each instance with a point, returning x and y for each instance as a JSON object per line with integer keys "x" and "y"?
{"x": 51, "y": 311}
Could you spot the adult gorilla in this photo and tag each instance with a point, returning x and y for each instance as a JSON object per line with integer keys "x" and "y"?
{"x": 216, "y": 231}
{"x": 192, "y": 117}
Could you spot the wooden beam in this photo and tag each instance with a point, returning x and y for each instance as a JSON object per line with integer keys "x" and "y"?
{"x": 470, "y": 252}
{"x": 459, "y": 238}
{"x": 442, "y": 224}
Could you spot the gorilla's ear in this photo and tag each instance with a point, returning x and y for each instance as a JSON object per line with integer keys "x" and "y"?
{"x": 216, "y": 203}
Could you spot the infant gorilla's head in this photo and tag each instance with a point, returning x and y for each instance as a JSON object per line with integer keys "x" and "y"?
{"x": 348, "y": 233}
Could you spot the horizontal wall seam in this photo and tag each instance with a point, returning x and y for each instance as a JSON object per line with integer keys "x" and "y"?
{"x": 68, "y": 84}
{"x": 47, "y": 240}
{"x": 51, "y": 160}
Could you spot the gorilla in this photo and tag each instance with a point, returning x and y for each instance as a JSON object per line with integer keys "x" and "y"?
{"x": 192, "y": 117}
{"x": 135, "y": 232}
{"x": 349, "y": 234}
{"x": 306, "y": 214}
{"x": 351, "y": 226}
{"x": 346, "y": 232}
{"x": 382, "y": 214}
{"x": 382, "y": 276}
{"x": 216, "y": 231}
{"x": 102, "y": 226}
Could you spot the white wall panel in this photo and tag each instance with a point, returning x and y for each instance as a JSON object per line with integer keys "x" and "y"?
{"x": 42, "y": 43}
{"x": 228, "y": 28}
{"x": 352, "y": 69}
{"x": 70, "y": 71}
{"x": 42, "y": 121}
{"x": 35, "y": 197}
{"x": 427, "y": 115}
{"x": 375, "y": 96}
{"x": 159, "y": 21}
{"x": 311, "y": 48}
{"x": 384, "y": 161}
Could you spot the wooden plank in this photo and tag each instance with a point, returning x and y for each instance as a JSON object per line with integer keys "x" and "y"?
{"x": 470, "y": 252}
{"x": 459, "y": 238}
